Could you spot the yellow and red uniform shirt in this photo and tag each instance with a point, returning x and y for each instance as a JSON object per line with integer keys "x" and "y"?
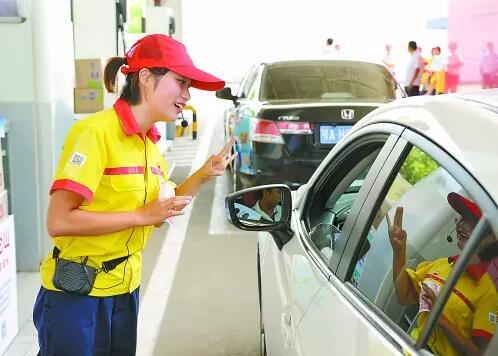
{"x": 107, "y": 160}
{"x": 471, "y": 307}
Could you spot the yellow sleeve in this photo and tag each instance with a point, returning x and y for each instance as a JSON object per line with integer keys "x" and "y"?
{"x": 484, "y": 324}
{"x": 82, "y": 161}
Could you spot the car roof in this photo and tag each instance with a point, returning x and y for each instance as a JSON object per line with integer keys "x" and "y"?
{"x": 465, "y": 126}
{"x": 313, "y": 61}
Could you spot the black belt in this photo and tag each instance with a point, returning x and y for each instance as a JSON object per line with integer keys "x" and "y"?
{"x": 106, "y": 265}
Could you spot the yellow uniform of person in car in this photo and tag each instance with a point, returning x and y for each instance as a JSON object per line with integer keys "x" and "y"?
{"x": 468, "y": 320}
{"x": 471, "y": 307}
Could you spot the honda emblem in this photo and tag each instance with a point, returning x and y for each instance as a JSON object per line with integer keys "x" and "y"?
{"x": 347, "y": 114}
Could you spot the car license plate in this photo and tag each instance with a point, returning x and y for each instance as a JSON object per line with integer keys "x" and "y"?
{"x": 330, "y": 135}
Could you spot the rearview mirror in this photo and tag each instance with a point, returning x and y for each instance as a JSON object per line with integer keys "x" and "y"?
{"x": 226, "y": 93}
{"x": 263, "y": 208}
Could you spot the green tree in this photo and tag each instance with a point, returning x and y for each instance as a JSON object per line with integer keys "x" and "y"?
{"x": 417, "y": 166}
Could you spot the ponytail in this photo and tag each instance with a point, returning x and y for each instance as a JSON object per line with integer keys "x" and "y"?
{"x": 111, "y": 71}
{"x": 131, "y": 89}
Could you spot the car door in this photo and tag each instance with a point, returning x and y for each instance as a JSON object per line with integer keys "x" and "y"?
{"x": 232, "y": 114}
{"x": 418, "y": 176}
{"x": 292, "y": 276}
{"x": 230, "y": 118}
{"x": 241, "y": 123}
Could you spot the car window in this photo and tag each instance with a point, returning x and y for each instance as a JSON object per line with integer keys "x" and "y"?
{"x": 328, "y": 81}
{"x": 247, "y": 84}
{"x": 333, "y": 201}
{"x": 244, "y": 81}
{"x": 415, "y": 238}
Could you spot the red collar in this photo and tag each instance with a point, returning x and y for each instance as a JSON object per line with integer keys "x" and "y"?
{"x": 476, "y": 270}
{"x": 129, "y": 123}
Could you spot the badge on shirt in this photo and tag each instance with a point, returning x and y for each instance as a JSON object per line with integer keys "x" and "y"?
{"x": 492, "y": 318}
{"x": 78, "y": 159}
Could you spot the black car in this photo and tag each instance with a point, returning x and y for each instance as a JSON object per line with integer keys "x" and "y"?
{"x": 288, "y": 115}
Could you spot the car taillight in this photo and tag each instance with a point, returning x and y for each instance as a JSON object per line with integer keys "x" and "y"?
{"x": 265, "y": 131}
{"x": 295, "y": 128}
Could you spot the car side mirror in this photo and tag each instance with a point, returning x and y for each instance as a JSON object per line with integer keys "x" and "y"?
{"x": 226, "y": 93}
{"x": 263, "y": 208}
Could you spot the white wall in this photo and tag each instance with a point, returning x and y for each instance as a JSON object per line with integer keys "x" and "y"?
{"x": 94, "y": 28}
{"x": 13, "y": 40}
{"x": 157, "y": 18}
{"x": 226, "y": 36}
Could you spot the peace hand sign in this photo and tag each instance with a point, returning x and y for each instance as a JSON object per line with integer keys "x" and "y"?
{"x": 397, "y": 236}
{"x": 217, "y": 164}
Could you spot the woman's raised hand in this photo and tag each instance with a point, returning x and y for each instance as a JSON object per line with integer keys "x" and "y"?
{"x": 397, "y": 236}
{"x": 217, "y": 164}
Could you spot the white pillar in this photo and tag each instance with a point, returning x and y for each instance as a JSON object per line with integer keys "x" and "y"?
{"x": 36, "y": 98}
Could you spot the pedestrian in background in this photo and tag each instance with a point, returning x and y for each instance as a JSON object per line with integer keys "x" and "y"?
{"x": 331, "y": 51}
{"x": 328, "y": 49}
{"x": 489, "y": 67}
{"x": 453, "y": 65}
{"x": 435, "y": 69}
{"x": 105, "y": 203}
{"x": 413, "y": 70}
{"x": 387, "y": 60}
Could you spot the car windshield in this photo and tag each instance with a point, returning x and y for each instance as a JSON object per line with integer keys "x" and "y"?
{"x": 327, "y": 81}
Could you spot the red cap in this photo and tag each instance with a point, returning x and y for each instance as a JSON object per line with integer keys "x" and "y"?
{"x": 160, "y": 51}
{"x": 466, "y": 208}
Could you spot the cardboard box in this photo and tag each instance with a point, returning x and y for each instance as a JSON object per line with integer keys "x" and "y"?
{"x": 89, "y": 73}
{"x": 88, "y": 100}
{"x": 4, "y": 205}
{"x": 9, "y": 322}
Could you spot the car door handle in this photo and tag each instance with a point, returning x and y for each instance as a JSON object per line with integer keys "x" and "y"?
{"x": 287, "y": 328}
{"x": 286, "y": 319}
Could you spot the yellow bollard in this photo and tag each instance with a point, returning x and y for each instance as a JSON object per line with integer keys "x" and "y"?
{"x": 194, "y": 121}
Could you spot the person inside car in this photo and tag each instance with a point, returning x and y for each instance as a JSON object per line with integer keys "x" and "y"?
{"x": 268, "y": 204}
{"x": 244, "y": 207}
{"x": 468, "y": 320}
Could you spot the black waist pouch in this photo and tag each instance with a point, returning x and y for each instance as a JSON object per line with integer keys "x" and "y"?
{"x": 74, "y": 277}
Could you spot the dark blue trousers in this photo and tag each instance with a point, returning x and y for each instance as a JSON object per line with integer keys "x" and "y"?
{"x": 76, "y": 325}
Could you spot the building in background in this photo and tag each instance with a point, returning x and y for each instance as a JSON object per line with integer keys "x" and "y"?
{"x": 472, "y": 24}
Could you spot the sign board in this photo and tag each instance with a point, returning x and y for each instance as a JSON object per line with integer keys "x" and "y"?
{"x": 9, "y": 8}
{"x": 2, "y": 126}
{"x": 9, "y": 324}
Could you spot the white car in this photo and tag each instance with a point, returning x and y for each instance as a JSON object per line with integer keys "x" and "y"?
{"x": 326, "y": 268}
